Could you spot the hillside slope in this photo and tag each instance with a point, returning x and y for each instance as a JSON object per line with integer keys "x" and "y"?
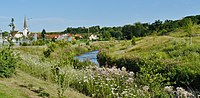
{"x": 22, "y": 85}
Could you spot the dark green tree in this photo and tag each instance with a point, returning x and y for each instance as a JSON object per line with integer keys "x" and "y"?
{"x": 43, "y": 34}
{"x": 5, "y": 33}
{"x": 12, "y": 25}
{"x": 106, "y": 35}
{"x": 94, "y": 29}
{"x": 127, "y": 31}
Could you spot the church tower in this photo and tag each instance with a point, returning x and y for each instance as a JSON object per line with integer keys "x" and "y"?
{"x": 25, "y": 30}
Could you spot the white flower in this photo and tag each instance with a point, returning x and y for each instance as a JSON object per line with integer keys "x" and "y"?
{"x": 123, "y": 69}
{"x": 169, "y": 89}
{"x": 85, "y": 77}
{"x": 108, "y": 79}
{"x": 145, "y": 88}
{"x": 131, "y": 74}
{"x": 85, "y": 80}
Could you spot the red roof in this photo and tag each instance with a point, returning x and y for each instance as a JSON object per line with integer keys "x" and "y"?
{"x": 49, "y": 36}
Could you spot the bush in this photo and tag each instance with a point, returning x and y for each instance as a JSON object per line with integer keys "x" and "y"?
{"x": 88, "y": 43}
{"x": 8, "y": 62}
{"x": 131, "y": 63}
{"x": 133, "y": 40}
{"x": 103, "y": 58}
{"x": 24, "y": 44}
{"x": 80, "y": 50}
{"x": 38, "y": 43}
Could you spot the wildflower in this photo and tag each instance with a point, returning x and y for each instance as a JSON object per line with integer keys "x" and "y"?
{"x": 169, "y": 89}
{"x": 85, "y": 77}
{"x": 108, "y": 79}
{"x": 182, "y": 93}
{"x": 145, "y": 88}
{"x": 130, "y": 80}
{"x": 131, "y": 74}
{"x": 123, "y": 69}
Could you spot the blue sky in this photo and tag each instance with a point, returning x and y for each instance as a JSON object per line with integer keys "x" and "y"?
{"x": 57, "y": 15}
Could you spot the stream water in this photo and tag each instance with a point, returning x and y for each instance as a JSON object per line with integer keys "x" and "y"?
{"x": 91, "y": 56}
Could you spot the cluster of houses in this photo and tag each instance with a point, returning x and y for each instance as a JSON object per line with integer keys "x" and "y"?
{"x": 23, "y": 36}
{"x": 68, "y": 37}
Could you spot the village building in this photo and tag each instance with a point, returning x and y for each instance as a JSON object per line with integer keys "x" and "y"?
{"x": 25, "y": 30}
{"x": 17, "y": 34}
{"x": 79, "y": 36}
{"x": 93, "y": 37}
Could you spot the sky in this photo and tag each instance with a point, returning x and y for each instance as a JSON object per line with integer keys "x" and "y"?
{"x": 57, "y": 15}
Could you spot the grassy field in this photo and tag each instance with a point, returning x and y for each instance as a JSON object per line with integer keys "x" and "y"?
{"x": 23, "y": 85}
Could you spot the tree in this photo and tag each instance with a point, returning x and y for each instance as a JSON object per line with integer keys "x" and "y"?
{"x": 156, "y": 26}
{"x": 133, "y": 40}
{"x": 5, "y": 33}
{"x": 43, "y": 34}
{"x": 189, "y": 28}
{"x": 127, "y": 31}
{"x": 106, "y": 35}
{"x": 12, "y": 25}
{"x": 94, "y": 29}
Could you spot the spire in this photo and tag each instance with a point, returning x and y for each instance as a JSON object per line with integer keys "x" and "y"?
{"x": 25, "y": 31}
{"x": 25, "y": 25}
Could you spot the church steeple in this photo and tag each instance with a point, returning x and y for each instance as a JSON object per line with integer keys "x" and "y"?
{"x": 25, "y": 31}
{"x": 25, "y": 25}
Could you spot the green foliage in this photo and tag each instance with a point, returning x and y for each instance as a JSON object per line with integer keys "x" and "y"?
{"x": 8, "y": 62}
{"x": 73, "y": 42}
{"x": 106, "y": 35}
{"x": 103, "y": 58}
{"x": 83, "y": 64}
{"x": 51, "y": 48}
{"x": 133, "y": 40}
{"x": 24, "y": 44}
{"x": 43, "y": 34}
{"x": 137, "y": 29}
{"x": 5, "y": 33}
{"x": 80, "y": 50}
{"x": 38, "y": 43}
{"x": 131, "y": 63}
{"x": 189, "y": 28}
{"x": 60, "y": 79}
{"x": 88, "y": 42}
{"x": 12, "y": 25}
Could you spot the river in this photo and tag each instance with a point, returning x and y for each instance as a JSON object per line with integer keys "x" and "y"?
{"x": 91, "y": 56}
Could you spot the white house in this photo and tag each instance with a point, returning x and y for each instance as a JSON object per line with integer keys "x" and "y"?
{"x": 18, "y": 35}
{"x": 93, "y": 37}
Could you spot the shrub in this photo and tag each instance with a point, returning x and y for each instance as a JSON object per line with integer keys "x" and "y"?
{"x": 8, "y": 62}
{"x": 51, "y": 48}
{"x": 103, "y": 58}
{"x": 133, "y": 40}
{"x": 131, "y": 63}
{"x": 82, "y": 65}
{"x": 80, "y": 50}
{"x": 24, "y": 44}
{"x": 88, "y": 43}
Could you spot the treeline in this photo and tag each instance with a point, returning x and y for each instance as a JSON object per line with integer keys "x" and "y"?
{"x": 137, "y": 29}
